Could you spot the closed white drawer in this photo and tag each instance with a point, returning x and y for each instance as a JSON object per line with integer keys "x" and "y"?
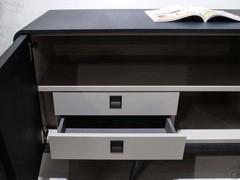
{"x": 78, "y": 103}
{"x": 122, "y": 144}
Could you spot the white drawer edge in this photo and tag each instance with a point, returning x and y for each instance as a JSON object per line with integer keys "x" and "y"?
{"x": 53, "y": 133}
{"x": 137, "y": 88}
{"x": 210, "y": 135}
{"x": 192, "y": 135}
{"x": 41, "y": 178}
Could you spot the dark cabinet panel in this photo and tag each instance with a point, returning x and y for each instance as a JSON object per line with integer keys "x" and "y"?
{"x": 20, "y": 119}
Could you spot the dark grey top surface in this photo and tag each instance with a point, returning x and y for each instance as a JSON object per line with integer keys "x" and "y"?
{"x": 128, "y": 20}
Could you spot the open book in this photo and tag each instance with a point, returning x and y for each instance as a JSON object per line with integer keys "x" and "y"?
{"x": 175, "y": 13}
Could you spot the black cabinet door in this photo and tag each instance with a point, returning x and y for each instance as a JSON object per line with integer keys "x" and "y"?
{"x": 20, "y": 120}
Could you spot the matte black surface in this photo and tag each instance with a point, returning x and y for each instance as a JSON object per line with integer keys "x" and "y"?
{"x": 128, "y": 20}
{"x": 7, "y": 169}
{"x": 20, "y": 118}
{"x": 213, "y": 149}
{"x": 2, "y": 172}
{"x": 4, "y": 158}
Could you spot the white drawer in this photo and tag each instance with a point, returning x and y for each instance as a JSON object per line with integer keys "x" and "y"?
{"x": 130, "y": 144}
{"x": 142, "y": 103}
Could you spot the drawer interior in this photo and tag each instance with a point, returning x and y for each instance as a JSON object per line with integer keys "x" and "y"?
{"x": 121, "y": 138}
{"x": 115, "y": 124}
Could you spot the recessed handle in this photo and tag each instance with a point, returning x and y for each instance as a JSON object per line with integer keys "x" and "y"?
{"x": 116, "y": 146}
{"x": 115, "y": 102}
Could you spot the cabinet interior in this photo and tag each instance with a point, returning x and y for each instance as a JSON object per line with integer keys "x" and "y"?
{"x": 137, "y": 60}
{"x": 150, "y": 61}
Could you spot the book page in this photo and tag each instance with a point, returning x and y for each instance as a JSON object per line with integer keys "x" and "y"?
{"x": 171, "y": 14}
{"x": 208, "y": 14}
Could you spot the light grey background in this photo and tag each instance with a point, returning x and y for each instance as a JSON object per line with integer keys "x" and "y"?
{"x": 15, "y": 14}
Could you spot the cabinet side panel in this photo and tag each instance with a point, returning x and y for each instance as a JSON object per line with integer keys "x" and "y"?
{"x": 20, "y": 119}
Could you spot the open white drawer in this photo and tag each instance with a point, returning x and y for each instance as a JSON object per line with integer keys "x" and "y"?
{"x": 135, "y": 143}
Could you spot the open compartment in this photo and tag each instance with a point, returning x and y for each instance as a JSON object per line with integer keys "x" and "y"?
{"x": 209, "y": 117}
{"x": 116, "y": 137}
{"x": 212, "y": 110}
{"x": 132, "y": 60}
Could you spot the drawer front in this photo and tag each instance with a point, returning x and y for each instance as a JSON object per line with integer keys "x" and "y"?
{"x": 133, "y": 146}
{"x": 70, "y": 103}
